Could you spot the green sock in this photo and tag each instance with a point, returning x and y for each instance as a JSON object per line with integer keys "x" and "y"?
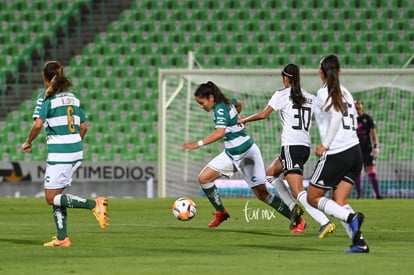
{"x": 60, "y": 216}
{"x": 214, "y": 197}
{"x": 279, "y": 206}
{"x": 72, "y": 201}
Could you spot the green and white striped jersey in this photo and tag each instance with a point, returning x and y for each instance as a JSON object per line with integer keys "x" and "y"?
{"x": 62, "y": 116}
{"x": 236, "y": 140}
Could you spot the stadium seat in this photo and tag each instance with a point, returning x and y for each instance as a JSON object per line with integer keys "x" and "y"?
{"x": 121, "y": 63}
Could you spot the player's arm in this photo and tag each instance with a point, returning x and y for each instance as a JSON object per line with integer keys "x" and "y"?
{"x": 334, "y": 124}
{"x": 374, "y": 138}
{"x": 34, "y": 132}
{"x": 213, "y": 137}
{"x": 258, "y": 116}
{"x": 82, "y": 129}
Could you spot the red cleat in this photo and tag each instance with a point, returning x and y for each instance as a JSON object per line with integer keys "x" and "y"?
{"x": 299, "y": 228}
{"x": 220, "y": 217}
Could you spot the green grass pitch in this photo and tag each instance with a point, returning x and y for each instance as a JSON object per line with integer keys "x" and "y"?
{"x": 144, "y": 238}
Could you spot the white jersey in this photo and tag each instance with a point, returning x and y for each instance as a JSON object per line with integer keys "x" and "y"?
{"x": 296, "y": 121}
{"x": 337, "y": 130}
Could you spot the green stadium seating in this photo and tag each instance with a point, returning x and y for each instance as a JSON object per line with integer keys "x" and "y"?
{"x": 116, "y": 76}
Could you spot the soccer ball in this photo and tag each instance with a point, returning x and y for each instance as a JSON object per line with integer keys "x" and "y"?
{"x": 184, "y": 209}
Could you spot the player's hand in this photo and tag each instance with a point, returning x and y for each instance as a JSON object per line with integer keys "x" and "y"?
{"x": 375, "y": 153}
{"x": 241, "y": 121}
{"x": 190, "y": 146}
{"x": 26, "y": 147}
{"x": 320, "y": 149}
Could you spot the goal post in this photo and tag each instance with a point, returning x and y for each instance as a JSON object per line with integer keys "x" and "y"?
{"x": 388, "y": 95}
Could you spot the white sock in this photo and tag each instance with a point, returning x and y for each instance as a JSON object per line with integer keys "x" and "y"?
{"x": 270, "y": 198}
{"x": 56, "y": 200}
{"x": 345, "y": 224}
{"x": 207, "y": 185}
{"x": 330, "y": 207}
{"x": 284, "y": 192}
{"x": 315, "y": 213}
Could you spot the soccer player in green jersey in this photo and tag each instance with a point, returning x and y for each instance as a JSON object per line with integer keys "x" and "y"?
{"x": 240, "y": 153}
{"x": 59, "y": 112}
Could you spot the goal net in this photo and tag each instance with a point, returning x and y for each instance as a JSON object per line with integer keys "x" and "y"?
{"x": 388, "y": 96}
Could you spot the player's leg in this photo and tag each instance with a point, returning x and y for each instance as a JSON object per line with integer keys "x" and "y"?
{"x": 326, "y": 172}
{"x": 252, "y": 169}
{"x": 60, "y": 217}
{"x": 326, "y": 176}
{"x": 346, "y": 225}
{"x": 73, "y": 201}
{"x": 58, "y": 177}
{"x": 221, "y": 165}
{"x": 272, "y": 175}
{"x": 372, "y": 175}
{"x": 358, "y": 186}
{"x": 296, "y": 184}
{"x": 263, "y": 194}
{"x": 97, "y": 206}
{"x": 340, "y": 196}
{"x": 206, "y": 180}
{"x": 292, "y": 159}
{"x": 367, "y": 161}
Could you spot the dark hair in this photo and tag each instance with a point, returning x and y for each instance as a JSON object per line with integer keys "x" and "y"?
{"x": 292, "y": 72}
{"x": 330, "y": 68}
{"x": 58, "y": 82}
{"x": 204, "y": 90}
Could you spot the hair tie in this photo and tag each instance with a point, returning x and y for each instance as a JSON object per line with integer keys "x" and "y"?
{"x": 286, "y": 74}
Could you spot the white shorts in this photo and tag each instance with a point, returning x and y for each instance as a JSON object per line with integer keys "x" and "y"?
{"x": 250, "y": 166}
{"x": 223, "y": 164}
{"x": 59, "y": 175}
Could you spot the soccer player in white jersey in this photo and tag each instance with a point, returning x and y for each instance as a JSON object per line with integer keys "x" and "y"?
{"x": 59, "y": 112}
{"x": 340, "y": 158}
{"x": 295, "y": 107}
{"x": 240, "y": 153}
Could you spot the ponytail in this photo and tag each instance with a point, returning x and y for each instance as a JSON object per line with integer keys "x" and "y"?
{"x": 58, "y": 82}
{"x": 330, "y": 68}
{"x": 204, "y": 90}
{"x": 292, "y": 72}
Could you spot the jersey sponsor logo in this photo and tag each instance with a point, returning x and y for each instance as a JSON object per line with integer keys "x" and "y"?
{"x": 220, "y": 112}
